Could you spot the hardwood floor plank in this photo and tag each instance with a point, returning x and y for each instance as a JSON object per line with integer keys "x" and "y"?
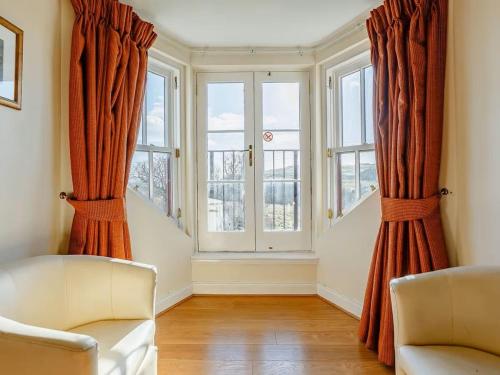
{"x": 204, "y": 367}
{"x": 199, "y": 302}
{"x": 223, "y": 352}
{"x": 257, "y": 314}
{"x": 316, "y": 368}
{"x": 216, "y": 336}
{"x": 261, "y": 335}
{"x": 253, "y": 324}
{"x": 339, "y": 336}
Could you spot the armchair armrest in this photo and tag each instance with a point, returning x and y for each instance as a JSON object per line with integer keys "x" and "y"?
{"x": 134, "y": 289}
{"x": 26, "y": 349}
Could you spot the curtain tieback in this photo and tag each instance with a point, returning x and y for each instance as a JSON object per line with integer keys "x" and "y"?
{"x": 101, "y": 209}
{"x": 396, "y": 209}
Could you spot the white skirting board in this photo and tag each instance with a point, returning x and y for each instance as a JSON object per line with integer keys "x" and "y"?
{"x": 171, "y": 299}
{"x": 352, "y": 306}
{"x": 253, "y": 288}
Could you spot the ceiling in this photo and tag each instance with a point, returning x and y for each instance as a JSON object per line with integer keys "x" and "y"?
{"x": 250, "y": 23}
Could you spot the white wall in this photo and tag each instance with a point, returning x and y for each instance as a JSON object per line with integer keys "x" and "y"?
{"x": 345, "y": 247}
{"x": 157, "y": 240}
{"x": 345, "y": 252}
{"x": 254, "y": 274}
{"x": 29, "y": 139}
{"x": 471, "y": 162}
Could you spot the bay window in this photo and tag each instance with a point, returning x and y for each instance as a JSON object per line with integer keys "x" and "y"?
{"x": 350, "y": 136}
{"x": 154, "y": 169}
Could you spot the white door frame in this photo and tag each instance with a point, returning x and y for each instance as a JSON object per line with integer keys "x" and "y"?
{"x": 254, "y": 238}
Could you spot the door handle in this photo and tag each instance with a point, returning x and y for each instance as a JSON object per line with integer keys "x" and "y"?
{"x": 250, "y": 154}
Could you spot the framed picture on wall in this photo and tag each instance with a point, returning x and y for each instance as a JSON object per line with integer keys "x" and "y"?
{"x": 11, "y": 61}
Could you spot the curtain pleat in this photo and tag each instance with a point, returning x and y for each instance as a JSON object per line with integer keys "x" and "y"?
{"x": 408, "y": 49}
{"x": 107, "y": 81}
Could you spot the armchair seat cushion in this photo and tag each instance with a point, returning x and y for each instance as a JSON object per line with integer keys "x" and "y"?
{"x": 446, "y": 360}
{"x": 122, "y": 344}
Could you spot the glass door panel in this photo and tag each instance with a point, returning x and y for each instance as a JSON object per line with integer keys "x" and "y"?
{"x": 225, "y": 176}
{"x": 282, "y": 161}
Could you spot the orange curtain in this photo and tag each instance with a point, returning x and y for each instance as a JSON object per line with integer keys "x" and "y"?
{"x": 107, "y": 81}
{"x": 408, "y": 39}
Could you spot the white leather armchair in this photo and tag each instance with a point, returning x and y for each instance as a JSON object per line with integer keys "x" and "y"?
{"x": 447, "y": 322}
{"x": 79, "y": 315}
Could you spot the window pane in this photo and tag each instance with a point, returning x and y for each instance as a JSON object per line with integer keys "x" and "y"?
{"x": 273, "y": 206}
{"x": 292, "y": 165}
{"x": 162, "y": 181}
{"x": 281, "y": 206}
{"x": 279, "y": 140}
{"x": 368, "y": 171}
{"x": 226, "y": 165}
{"x": 225, "y": 157}
{"x": 347, "y": 180}
{"x": 139, "y": 173}
{"x": 226, "y": 208}
{"x": 155, "y": 107}
{"x": 281, "y": 105}
{"x": 226, "y": 103}
{"x": 351, "y": 109}
{"x": 281, "y": 165}
{"x": 369, "y": 103}
{"x": 292, "y": 205}
{"x": 226, "y": 141}
{"x": 281, "y": 198}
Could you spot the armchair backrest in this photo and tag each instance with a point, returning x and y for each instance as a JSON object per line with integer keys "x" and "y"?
{"x": 455, "y": 306}
{"x": 64, "y": 291}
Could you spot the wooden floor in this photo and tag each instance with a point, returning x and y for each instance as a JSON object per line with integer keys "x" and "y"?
{"x": 236, "y": 335}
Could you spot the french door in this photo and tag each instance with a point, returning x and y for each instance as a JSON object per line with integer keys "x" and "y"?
{"x": 253, "y": 132}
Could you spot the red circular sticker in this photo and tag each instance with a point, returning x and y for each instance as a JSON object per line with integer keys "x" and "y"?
{"x": 268, "y": 136}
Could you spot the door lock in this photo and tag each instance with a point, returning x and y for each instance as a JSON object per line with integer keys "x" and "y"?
{"x": 250, "y": 154}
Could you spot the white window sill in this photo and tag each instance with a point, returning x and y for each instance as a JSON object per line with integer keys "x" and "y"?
{"x": 256, "y": 257}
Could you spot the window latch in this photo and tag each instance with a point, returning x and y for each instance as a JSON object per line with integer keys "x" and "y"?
{"x": 177, "y": 153}
{"x": 329, "y": 152}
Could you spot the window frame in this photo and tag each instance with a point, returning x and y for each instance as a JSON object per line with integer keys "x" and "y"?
{"x": 172, "y": 137}
{"x": 333, "y": 76}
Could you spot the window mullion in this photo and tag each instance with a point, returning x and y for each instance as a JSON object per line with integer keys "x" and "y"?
{"x": 151, "y": 173}
{"x": 363, "y": 106}
{"x": 338, "y": 186}
{"x": 357, "y": 175}
{"x": 145, "y": 118}
{"x": 339, "y": 116}
{"x": 166, "y": 111}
